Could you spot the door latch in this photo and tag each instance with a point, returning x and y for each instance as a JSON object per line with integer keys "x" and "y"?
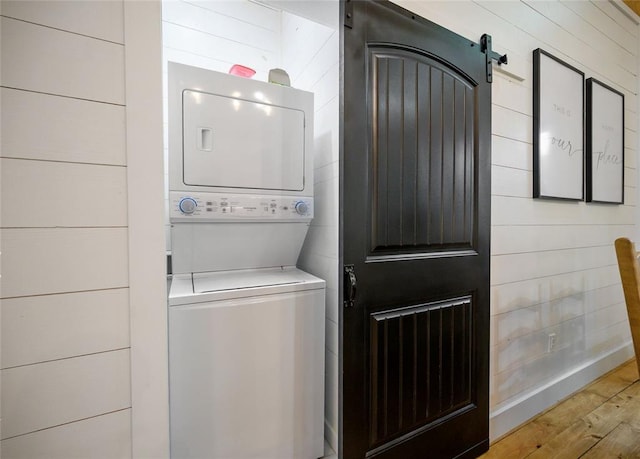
{"x": 350, "y": 285}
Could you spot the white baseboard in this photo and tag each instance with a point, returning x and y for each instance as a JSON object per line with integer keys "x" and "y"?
{"x": 523, "y": 408}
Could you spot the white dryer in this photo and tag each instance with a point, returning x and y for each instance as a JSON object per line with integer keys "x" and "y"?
{"x": 246, "y": 327}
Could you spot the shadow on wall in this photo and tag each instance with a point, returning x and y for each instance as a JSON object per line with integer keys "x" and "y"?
{"x": 537, "y": 343}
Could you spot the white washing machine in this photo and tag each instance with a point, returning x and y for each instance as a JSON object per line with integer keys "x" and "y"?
{"x": 246, "y": 327}
{"x": 244, "y": 362}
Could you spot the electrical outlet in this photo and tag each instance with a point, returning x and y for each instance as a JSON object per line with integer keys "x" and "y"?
{"x": 551, "y": 345}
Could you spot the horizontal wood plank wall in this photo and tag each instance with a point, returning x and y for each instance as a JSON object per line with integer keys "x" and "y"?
{"x": 65, "y": 364}
{"x": 553, "y": 267}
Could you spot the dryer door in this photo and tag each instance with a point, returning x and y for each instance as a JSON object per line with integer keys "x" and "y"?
{"x": 234, "y": 143}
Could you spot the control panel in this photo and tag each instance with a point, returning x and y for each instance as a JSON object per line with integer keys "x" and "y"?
{"x": 188, "y": 206}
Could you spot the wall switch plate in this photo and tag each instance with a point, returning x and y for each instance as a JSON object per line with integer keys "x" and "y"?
{"x": 551, "y": 345}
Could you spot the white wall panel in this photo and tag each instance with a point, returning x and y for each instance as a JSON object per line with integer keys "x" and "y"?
{"x": 515, "y": 95}
{"x": 528, "y": 364}
{"x": 630, "y": 118}
{"x": 48, "y": 394}
{"x": 630, "y": 160}
{"x": 331, "y": 343}
{"x": 584, "y": 33}
{"x": 100, "y": 19}
{"x": 326, "y": 135}
{"x": 608, "y": 338}
{"x": 511, "y": 124}
{"x": 324, "y": 88}
{"x": 518, "y": 322}
{"x": 506, "y": 210}
{"x": 102, "y": 437}
{"x": 304, "y": 40}
{"x": 195, "y": 16}
{"x": 535, "y": 238}
{"x": 522, "y": 322}
{"x": 50, "y": 194}
{"x": 593, "y": 16}
{"x": 205, "y": 62}
{"x": 606, "y": 316}
{"x": 598, "y": 299}
{"x": 539, "y": 264}
{"x": 620, "y": 18}
{"x": 332, "y": 303}
{"x": 38, "y": 58}
{"x": 48, "y": 327}
{"x": 325, "y": 267}
{"x": 326, "y": 194}
{"x": 326, "y": 172}
{"x": 631, "y": 102}
{"x": 64, "y": 129}
{"x": 630, "y": 199}
{"x": 630, "y": 138}
{"x": 319, "y": 11}
{"x": 195, "y": 42}
{"x": 630, "y": 175}
{"x": 506, "y": 181}
{"x": 244, "y": 10}
{"x": 562, "y": 43}
{"x": 64, "y": 194}
{"x": 331, "y": 410}
{"x": 319, "y": 238}
{"x": 58, "y": 260}
{"x": 511, "y": 153}
{"x": 515, "y": 295}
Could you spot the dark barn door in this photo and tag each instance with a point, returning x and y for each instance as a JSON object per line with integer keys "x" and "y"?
{"x": 415, "y": 229}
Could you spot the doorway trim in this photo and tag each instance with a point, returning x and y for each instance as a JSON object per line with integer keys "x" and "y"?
{"x": 145, "y": 202}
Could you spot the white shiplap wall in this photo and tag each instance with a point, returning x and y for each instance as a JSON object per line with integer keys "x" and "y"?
{"x": 553, "y": 266}
{"x": 65, "y": 360}
{"x": 216, "y": 35}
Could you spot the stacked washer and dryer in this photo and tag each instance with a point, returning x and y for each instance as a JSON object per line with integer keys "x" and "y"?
{"x": 246, "y": 327}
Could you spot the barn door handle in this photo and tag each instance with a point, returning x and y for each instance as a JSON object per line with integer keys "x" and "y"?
{"x": 350, "y": 285}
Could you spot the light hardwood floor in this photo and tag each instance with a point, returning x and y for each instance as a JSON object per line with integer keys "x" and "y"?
{"x": 600, "y": 421}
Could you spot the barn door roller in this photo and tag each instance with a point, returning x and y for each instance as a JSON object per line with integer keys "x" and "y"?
{"x": 485, "y": 47}
{"x": 348, "y": 14}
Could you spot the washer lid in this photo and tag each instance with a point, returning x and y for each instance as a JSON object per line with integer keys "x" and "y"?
{"x": 196, "y": 289}
{"x": 232, "y": 280}
{"x": 249, "y": 278}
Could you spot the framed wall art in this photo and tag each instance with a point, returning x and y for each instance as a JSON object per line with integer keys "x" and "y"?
{"x": 605, "y": 143}
{"x": 558, "y": 128}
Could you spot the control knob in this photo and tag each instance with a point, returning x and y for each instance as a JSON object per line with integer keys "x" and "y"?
{"x": 301, "y": 208}
{"x": 187, "y": 205}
